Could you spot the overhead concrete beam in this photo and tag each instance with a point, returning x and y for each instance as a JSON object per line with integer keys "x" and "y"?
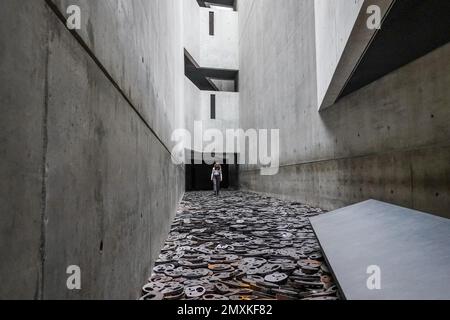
{"x": 338, "y": 56}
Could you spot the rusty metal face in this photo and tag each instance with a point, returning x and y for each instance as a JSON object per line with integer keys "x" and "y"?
{"x": 277, "y": 277}
{"x": 194, "y": 292}
{"x": 268, "y": 269}
{"x": 241, "y": 246}
{"x": 221, "y": 276}
{"x": 163, "y": 268}
{"x": 196, "y": 273}
{"x": 172, "y": 289}
{"x": 173, "y": 273}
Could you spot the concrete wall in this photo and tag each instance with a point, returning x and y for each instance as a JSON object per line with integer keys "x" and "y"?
{"x": 342, "y": 36}
{"x": 86, "y": 177}
{"x": 220, "y": 51}
{"x": 191, "y": 29}
{"x": 140, "y": 44}
{"x": 388, "y": 141}
{"x": 334, "y": 21}
{"x": 198, "y": 108}
{"x": 227, "y": 111}
{"x": 192, "y": 104}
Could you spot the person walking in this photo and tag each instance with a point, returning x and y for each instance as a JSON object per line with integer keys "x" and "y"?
{"x": 216, "y": 178}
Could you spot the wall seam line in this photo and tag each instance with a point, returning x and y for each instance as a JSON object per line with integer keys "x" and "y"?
{"x": 44, "y": 177}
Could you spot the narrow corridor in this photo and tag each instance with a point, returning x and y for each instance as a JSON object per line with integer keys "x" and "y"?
{"x": 241, "y": 246}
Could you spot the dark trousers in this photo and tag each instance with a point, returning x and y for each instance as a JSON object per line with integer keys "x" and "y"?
{"x": 216, "y": 182}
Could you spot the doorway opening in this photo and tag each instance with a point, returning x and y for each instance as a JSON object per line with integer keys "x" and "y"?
{"x": 198, "y": 172}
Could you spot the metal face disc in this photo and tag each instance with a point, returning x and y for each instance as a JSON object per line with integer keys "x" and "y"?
{"x": 172, "y": 289}
{"x": 154, "y": 287}
{"x": 152, "y": 296}
{"x": 159, "y": 278}
{"x": 221, "y": 276}
{"x": 252, "y": 279}
{"x": 247, "y": 263}
{"x": 163, "y": 267}
{"x": 268, "y": 269}
{"x": 222, "y": 288}
{"x": 196, "y": 273}
{"x": 173, "y": 273}
{"x": 220, "y": 267}
{"x": 276, "y": 278}
{"x": 194, "y": 292}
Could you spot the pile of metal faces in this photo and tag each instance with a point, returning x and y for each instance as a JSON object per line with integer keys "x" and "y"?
{"x": 241, "y": 246}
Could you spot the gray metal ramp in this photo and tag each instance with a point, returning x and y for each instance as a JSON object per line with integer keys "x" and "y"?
{"x": 411, "y": 248}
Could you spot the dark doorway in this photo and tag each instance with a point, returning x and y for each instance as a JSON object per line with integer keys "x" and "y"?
{"x": 198, "y": 176}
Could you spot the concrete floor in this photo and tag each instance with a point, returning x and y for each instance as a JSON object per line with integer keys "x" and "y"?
{"x": 241, "y": 246}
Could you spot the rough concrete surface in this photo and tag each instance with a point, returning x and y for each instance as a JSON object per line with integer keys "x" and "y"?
{"x": 140, "y": 44}
{"x": 84, "y": 180}
{"x": 22, "y": 103}
{"x": 220, "y": 51}
{"x": 391, "y": 135}
{"x": 86, "y": 175}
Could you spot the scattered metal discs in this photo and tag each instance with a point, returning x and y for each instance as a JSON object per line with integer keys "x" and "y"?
{"x": 240, "y": 246}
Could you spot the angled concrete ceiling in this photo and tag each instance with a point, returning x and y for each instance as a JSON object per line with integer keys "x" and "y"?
{"x": 201, "y": 76}
{"x": 193, "y": 73}
{"x": 219, "y": 74}
{"x": 412, "y": 29}
{"x": 337, "y": 58}
{"x": 225, "y": 3}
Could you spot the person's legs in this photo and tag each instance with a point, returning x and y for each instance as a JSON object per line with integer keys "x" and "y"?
{"x": 215, "y": 185}
{"x": 218, "y": 185}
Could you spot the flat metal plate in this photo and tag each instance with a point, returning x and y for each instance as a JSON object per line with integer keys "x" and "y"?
{"x": 411, "y": 248}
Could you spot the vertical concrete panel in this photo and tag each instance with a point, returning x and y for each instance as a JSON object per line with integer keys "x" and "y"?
{"x": 221, "y": 50}
{"x": 192, "y": 105}
{"x": 334, "y": 23}
{"x": 84, "y": 179}
{"x": 111, "y": 190}
{"x": 430, "y": 180}
{"x": 191, "y": 28}
{"x": 23, "y": 73}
